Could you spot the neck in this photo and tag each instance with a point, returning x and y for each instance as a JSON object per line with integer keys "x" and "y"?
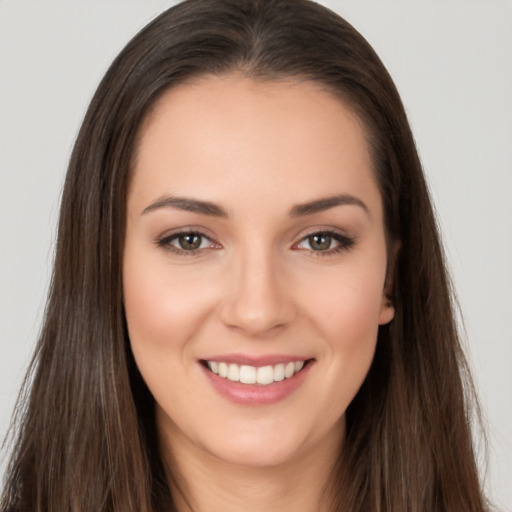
{"x": 208, "y": 483}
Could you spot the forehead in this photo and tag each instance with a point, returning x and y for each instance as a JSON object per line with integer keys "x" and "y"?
{"x": 221, "y": 135}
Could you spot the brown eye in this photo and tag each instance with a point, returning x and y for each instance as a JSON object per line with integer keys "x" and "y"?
{"x": 190, "y": 241}
{"x": 325, "y": 243}
{"x": 320, "y": 241}
{"x": 187, "y": 242}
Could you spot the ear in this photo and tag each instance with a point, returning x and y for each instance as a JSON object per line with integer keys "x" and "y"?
{"x": 387, "y": 309}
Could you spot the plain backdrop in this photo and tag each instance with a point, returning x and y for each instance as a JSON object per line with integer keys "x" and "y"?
{"x": 452, "y": 63}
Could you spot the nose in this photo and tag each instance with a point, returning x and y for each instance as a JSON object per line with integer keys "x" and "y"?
{"x": 259, "y": 300}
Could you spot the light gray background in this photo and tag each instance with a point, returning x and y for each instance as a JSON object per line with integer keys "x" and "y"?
{"x": 452, "y": 62}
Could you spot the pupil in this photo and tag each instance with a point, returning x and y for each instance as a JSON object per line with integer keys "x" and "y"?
{"x": 320, "y": 242}
{"x": 190, "y": 242}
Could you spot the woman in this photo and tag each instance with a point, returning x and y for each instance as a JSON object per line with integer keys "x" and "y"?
{"x": 249, "y": 308}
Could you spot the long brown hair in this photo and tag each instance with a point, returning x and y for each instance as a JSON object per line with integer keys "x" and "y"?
{"x": 85, "y": 437}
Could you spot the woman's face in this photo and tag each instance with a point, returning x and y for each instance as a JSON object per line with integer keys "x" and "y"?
{"x": 255, "y": 251}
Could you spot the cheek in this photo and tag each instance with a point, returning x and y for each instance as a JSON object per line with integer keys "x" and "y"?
{"x": 348, "y": 304}
{"x": 346, "y": 313}
{"x": 164, "y": 306}
{"x": 164, "y": 309}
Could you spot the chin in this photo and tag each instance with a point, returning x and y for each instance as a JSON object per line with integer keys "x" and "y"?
{"x": 257, "y": 455}
{"x": 276, "y": 445}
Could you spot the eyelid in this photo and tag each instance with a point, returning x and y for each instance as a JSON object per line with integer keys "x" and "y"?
{"x": 345, "y": 241}
{"x": 164, "y": 240}
{"x": 330, "y": 230}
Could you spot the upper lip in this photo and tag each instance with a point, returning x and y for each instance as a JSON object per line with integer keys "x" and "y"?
{"x": 251, "y": 360}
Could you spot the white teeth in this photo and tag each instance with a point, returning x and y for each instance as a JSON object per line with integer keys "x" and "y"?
{"x": 223, "y": 370}
{"x": 247, "y": 374}
{"x": 263, "y": 375}
{"x": 279, "y": 372}
{"x": 234, "y": 372}
{"x": 289, "y": 370}
{"x": 214, "y": 367}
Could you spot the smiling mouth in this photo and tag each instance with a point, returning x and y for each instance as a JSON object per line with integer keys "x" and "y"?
{"x": 259, "y": 375}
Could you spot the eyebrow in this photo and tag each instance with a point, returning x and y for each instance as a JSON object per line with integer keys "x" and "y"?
{"x": 187, "y": 204}
{"x": 214, "y": 210}
{"x": 326, "y": 203}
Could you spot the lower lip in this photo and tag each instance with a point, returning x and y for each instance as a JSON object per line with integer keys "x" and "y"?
{"x": 252, "y": 394}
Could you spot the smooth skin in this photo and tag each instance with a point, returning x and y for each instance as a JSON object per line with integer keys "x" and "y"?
{"x": 245, "y": 275}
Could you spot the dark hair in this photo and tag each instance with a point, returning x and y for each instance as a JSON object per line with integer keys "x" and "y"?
{"x": 86, "y": 438}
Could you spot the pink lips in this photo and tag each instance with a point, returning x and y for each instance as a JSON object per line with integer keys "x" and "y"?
{"x": 254, "y": 394}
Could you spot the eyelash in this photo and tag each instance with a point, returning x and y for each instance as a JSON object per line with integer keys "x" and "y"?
{"x": 165, "y": 243}
{"x": 345, "y": 243}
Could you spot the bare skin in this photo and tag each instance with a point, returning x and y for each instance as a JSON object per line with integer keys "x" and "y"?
{"x": 298, "y": 484}
{"x": 255, "y": 238}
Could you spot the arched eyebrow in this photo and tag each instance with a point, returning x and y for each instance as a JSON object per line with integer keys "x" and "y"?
{"x": 320, "y": 205}
{"x": 187, "y": 204}
{"x": 214, "y": 210}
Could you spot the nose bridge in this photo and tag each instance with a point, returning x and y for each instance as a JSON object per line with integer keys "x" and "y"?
{"x": 258, "y": 301}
